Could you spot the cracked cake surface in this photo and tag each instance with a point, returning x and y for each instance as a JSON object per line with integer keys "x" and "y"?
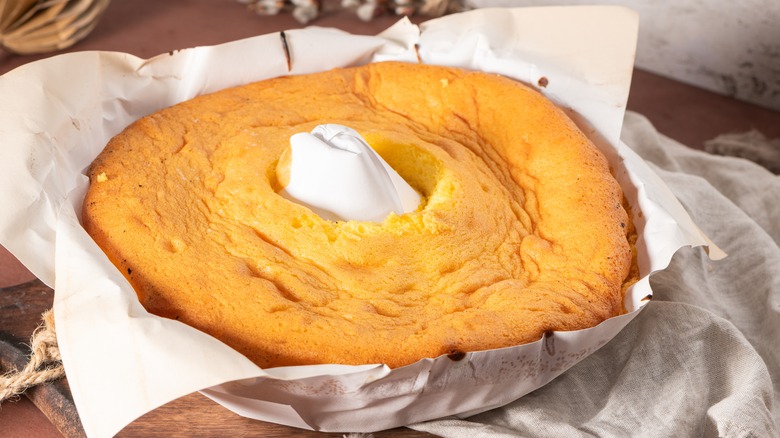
{"x": 522, "y": 228}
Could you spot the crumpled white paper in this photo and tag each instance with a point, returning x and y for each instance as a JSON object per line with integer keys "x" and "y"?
{"x": 335, "y": 173}
{"x": 122, "y": 361}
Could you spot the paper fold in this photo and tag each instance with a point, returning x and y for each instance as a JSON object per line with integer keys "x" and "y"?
{"x": 335, "y": 173}
{"x": 122, "y": 362}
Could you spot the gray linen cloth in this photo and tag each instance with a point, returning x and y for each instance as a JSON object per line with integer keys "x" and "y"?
{"x": 703, "y": 358}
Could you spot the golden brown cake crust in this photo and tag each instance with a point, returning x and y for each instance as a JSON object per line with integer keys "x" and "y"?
{"x": 521, "y": 230}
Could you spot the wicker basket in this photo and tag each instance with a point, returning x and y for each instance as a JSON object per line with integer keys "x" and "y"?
{"x": 37, "y": 26}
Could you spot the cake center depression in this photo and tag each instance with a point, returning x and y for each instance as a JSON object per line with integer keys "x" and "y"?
{"x": 521, "y": 228}
{"x": 335, "y": 173}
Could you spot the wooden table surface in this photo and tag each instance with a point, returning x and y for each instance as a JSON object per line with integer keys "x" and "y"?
{"x": 148, "y": 27}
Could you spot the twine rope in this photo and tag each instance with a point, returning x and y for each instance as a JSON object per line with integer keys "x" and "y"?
{"x": 45, "y": 362}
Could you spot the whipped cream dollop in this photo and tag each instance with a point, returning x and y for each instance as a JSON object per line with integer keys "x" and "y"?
{"x": 335, "y": 173}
